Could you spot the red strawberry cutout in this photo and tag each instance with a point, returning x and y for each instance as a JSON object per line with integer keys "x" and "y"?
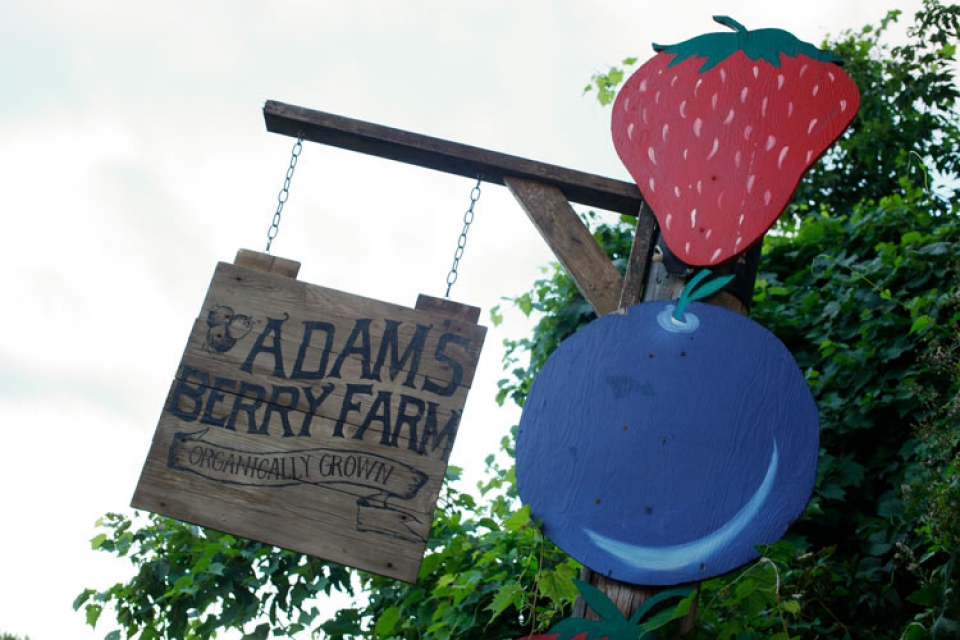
{"x": 718, "y": 130}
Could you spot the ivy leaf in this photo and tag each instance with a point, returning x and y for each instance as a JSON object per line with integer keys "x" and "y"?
{"x": 82, "y": 598}
{"x": 930, "y": 595}
{"x": 519, "y": 519}
{"x": 93, "y": 614}
{"x": 558, "y": 585}
{"x": 910, "y": 237}
{"x": 915, "y": 631}
{"x": 525, "y": 304}
{"x": 147, "y": 634}
{"x": 508, "y": 595}
{"x": 97, "y": 541}
{"x": 921, "y": 324}
{"x": 387, "y": 621}
{"x": 791, "y": 606}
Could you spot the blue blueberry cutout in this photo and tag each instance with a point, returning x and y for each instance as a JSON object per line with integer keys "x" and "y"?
{"x": 660, "y": 448}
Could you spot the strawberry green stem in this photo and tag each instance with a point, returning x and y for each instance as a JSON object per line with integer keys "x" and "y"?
{"x": 727, "y": 21}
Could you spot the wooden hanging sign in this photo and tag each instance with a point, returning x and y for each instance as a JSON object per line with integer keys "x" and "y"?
{"x": 312, "y": 419}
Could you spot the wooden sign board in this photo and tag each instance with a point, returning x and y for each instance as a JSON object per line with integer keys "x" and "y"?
{"x": 312, "y": 419}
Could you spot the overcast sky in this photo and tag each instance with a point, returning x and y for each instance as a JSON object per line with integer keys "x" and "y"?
{"x": 133, "y": 157}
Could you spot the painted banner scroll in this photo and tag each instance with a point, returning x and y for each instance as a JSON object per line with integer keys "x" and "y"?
{"x": 313, "y": 419}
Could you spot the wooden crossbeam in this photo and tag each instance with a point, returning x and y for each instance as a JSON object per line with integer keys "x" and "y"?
{"x": 449, "y": 157}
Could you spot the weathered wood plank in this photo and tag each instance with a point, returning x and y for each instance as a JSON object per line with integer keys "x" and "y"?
{"x": 224, "y": 376}
{"x": 448, "y": 308}
{"x": 267, "y": 263}
{"x": 291, "y": 305}
{"x": 266, "y": 509}
{"x": 212, "y": 431}
{"x": 571, "y": 241}
{"x": 446, "y": 156}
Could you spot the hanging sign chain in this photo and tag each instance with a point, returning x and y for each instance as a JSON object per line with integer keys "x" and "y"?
{"x": 285, "y": 191}
{"x": 462, "y": 240}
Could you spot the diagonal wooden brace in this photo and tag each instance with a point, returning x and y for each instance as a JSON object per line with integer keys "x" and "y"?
{"x": 571, "y": 242}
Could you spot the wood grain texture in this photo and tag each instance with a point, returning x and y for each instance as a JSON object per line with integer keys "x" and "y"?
{"x": 313, "y": 419}
{"x": 447, "y": 156}
{"x": 643, "y": 241}
{"x": 570, "y": 240}
{"x": 448, "y": 308}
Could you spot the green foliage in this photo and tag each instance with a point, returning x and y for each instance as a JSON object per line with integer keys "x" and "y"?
{"x": 750, "y": 602}
{"x": 869, "y": 294}
{"x": 861, "y": 281}
{"x": 489, "y": 572}
{"x": 605, "y": 84}
{"x": 192, "y": 582}
{"x": 907, "y": 122}
{"x": 10, "y": 636}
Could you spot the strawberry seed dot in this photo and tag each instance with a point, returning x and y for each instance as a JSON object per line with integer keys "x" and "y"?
{"x": 716, "y": 147}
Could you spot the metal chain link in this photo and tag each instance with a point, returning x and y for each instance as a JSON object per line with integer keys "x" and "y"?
{"x": 285, "y": 191}
{"x": 462, "y": 240}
